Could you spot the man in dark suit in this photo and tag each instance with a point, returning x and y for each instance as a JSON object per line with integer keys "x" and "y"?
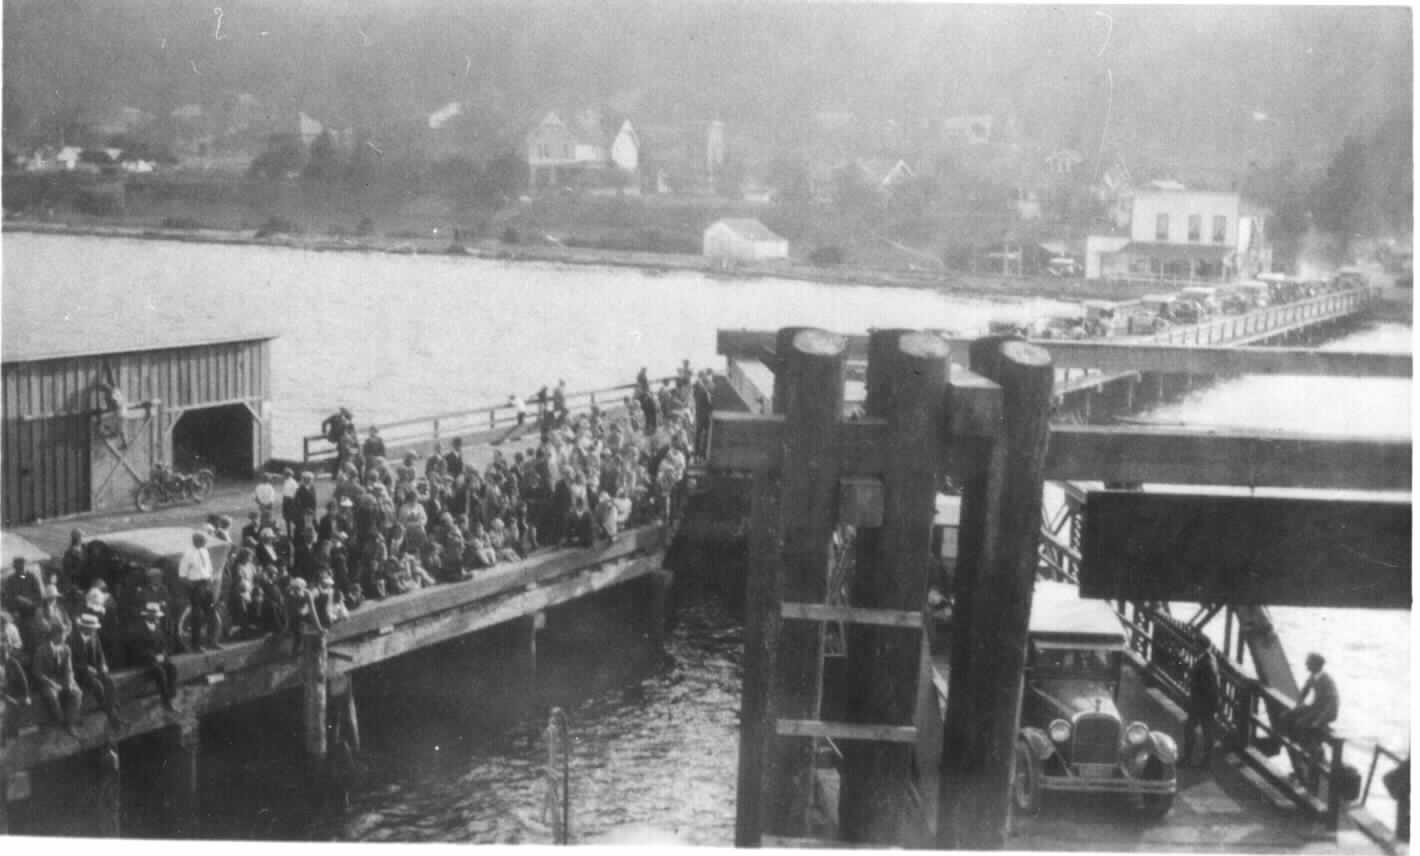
{"x": 91, "y": 666}
{"x": 54, "y": 677}
{"x": 151, "y": 651}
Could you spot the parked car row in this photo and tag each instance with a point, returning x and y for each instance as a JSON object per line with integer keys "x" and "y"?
{"x": 1193, "y": 304}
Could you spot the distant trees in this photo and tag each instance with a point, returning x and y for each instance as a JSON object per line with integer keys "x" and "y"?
{"x": 282, "y": 156}
{"x": 789, "y": 179}
{"x": 324, "y": 163}
{"x": 1368, "y": 187}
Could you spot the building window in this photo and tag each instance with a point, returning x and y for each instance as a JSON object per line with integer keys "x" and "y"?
{"x": 1161, "y": 227}
{"x": 1220, "y": 230}
{"x": 1195, "y": 227}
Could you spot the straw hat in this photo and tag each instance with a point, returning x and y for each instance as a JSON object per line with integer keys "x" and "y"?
{"x": 152, "y": 609}
{"x": 88, "y": 621}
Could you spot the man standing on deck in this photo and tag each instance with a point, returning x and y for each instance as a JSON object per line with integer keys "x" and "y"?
{"x": 374, "y": 445}
{"x": 703, "y": 404}
{"x": 196, "y": 571}
{"x": 1202, "y": 706}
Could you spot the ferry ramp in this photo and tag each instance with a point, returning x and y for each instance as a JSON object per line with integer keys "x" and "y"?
{"x": 1224, "y": 808}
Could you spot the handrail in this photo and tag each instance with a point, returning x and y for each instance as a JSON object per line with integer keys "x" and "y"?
{"x": 315, "y": 447}
{"x": 1377, "y": 751}
{"x": 1167, "y": 655}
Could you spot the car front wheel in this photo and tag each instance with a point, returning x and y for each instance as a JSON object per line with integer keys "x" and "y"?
{"x": 1026, "y": 790}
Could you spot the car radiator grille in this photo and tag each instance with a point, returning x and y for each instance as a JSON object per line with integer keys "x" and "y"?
{"x": 1096, "y": 740}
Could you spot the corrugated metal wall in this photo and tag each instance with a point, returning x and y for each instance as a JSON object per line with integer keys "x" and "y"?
{"x": 49, "y": 408}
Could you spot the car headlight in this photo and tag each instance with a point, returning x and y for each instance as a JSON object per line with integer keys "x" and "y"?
{"x": 1059, "y": 731}
{"x": 1136, "y": 733}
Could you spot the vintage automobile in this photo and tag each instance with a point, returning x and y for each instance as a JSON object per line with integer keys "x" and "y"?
{"x": 1172, "y": 309}
{"x": 141, "y": 565}
{"x": 1061, "y": 326}
{"x": 1208, "y": 296}
{"x": 1257, "y": 293}
{"x": 1073, "y": 737}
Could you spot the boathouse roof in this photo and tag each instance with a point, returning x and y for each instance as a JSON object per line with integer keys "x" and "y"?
{"x": 28, "y": 343}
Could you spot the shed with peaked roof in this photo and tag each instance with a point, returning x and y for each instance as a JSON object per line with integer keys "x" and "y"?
{"x": 88, "y": 413}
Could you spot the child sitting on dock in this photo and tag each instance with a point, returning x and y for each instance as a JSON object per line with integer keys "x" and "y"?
{"x": 301, "y": 615}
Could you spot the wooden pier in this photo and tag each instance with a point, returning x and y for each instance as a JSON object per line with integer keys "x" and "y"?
{"x": 324, "y": 673}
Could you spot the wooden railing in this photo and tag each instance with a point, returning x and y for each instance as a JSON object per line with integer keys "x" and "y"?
{"x": 474, "y": 425}
{"x": 1164, "y": 647}
{"x": 1271, "y": 319}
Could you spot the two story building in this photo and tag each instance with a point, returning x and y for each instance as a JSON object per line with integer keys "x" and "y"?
{"x": 1185, "y": 234}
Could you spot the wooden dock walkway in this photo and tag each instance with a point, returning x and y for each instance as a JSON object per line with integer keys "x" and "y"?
{"x": 248, "y": 670}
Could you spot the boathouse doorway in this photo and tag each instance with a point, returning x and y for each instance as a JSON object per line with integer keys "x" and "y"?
{"x": 218, "y": 437}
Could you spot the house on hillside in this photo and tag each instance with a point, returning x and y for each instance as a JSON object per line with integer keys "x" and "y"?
{"x": 558, "y": 151}
{"x": 743, "y": 240}
{"x": 1190, "y": 235}
{"x": 625, "y": 150}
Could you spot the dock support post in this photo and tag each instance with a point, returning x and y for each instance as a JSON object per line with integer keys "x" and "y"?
{"x": 316, "y": 696}
{"x": 812, "y": 367}
{"x": 186, "y": 756}
{"x": 108, "y": 804}
{"x": 762, "y": 624}
{"x": 658, "y": 603}
{"x": 907, "y": 387}
{"x": 346, "y": 724}
{"x": 1000, "y": 529}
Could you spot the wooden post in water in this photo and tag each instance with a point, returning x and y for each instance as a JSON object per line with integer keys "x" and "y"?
{"x": 995, "y": 582}
{"x": 812, "y": 368}
{"x": 907, "y": 376}
{"x": 108, "y": 805}
{"x": 762, "y": 622}
{"x": 658, "y": 604}
{"x": 315, "y": 696}
{"x": 186, "y": 756}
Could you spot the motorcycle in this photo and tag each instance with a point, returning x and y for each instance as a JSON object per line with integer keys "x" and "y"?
{"x": 166, "y": 486}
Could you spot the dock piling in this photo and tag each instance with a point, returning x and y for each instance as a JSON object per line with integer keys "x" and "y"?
{"x": 314, "y": 663}
{"x": 907, "y": 387}
{"x": 108, "y": 804}
{"x": 995, "y": 581}
{"x": 184, "y": 806}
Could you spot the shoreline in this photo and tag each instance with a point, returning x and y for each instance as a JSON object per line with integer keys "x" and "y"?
{"x": 651, "y": 264}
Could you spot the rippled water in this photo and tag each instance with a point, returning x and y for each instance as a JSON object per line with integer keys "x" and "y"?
{"x": 655, "y": 744}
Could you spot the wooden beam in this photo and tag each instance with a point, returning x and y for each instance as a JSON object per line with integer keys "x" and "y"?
{"x": 851, "y": 614}
{"x": 761, "y": 635}
{"x": 1223, "y": 361}
{"x": 907, "y": 388}
{"x": 1246, "y": 550}
{"x": 1143, "y": 356}
{"x": 1226, "y": 457}
{"x": 486, "y": 613}
{"x": 147, "y": 714}
{"x": 995, "y": 580}
{"x": 743, "y": 442}
{"x": 846, "y": 731}
{"x": 811, "y": 372}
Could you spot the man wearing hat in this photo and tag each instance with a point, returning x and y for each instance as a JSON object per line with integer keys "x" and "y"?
{"x": 91, "y": 666}
{"x": 150, "y": 651}
{"x": 72, "y": 570}
{"x": 195, "y": 570}
{"x": 50, "y": 613}
{"x": 252, "y": 531}
{"x": 54, "y": 673}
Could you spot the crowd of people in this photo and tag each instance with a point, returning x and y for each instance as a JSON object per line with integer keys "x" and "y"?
{"x": 387, "y": 526}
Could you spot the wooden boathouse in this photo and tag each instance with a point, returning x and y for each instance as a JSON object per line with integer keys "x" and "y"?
{"x": 86, "y": 417}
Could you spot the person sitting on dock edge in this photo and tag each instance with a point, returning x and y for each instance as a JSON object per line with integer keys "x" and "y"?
{"x": 54, "y": 673}
{"x": 1310, "y": 721}
{"x": 151, "y": 651}
{"x": 91, "y": 666}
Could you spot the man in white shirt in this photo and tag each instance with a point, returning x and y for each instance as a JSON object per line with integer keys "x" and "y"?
{"x": 196, "y": 571}
{"x": 266, "y": 494}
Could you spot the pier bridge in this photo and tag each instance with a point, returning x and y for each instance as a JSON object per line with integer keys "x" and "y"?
{"x": 802, "y": 462}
